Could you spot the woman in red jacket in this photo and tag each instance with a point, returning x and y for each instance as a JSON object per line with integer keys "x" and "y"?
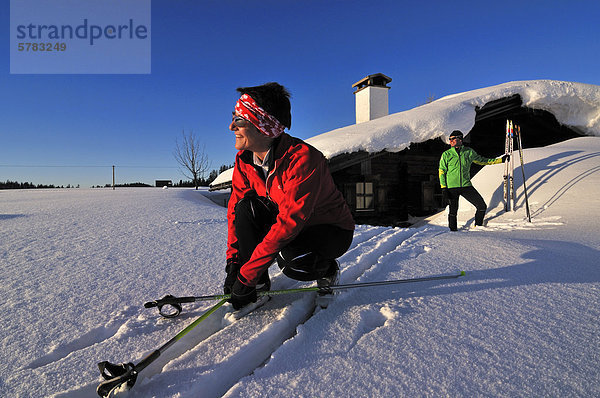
{"x": 284, "y": 204}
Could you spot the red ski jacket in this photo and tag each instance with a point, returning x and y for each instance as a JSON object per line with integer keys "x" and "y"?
{"x": 300, "y": 184}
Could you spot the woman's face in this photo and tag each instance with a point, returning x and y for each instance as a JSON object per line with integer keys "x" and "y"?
{"x": 247, "y": 137}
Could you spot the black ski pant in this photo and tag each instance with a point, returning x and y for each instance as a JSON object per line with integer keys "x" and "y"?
{"x": 310, "y": 256}
{"x": 470, "y": 194}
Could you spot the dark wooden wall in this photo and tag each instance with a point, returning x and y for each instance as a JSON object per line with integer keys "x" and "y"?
{"x": 404, "y": 183}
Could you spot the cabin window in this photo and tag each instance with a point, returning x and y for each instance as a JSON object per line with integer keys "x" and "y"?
{"x": 364, "y": 196}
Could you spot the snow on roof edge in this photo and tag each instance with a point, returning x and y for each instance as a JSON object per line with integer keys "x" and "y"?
{"x": 224, "y": 177}
{"x": 576, "y": 105}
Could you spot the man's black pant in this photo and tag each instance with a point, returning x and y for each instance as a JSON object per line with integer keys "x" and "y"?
{"x": 470, "y": 194}
{"x": 310, "y": 256}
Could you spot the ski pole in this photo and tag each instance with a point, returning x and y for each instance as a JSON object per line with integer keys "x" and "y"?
{"x": 117, "y": 375}
{"x": 175, "y": 302}
{"x": 523, "y": 171}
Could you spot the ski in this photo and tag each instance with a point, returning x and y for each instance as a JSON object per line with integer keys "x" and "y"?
{"x": 505, "y": 176}
{"x": 509, "y": 167}
{"x": 512, "y": 167}
{"x": 175, "y": 302}
{"x": 245, "y": 310}
{"x": 520, "y": 147}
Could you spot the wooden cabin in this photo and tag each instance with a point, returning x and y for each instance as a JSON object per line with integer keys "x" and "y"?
{"x": 388, "y": 188}
{"x": 384, "y": 188}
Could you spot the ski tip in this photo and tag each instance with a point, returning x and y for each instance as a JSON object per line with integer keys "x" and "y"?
{"x": 462, "y": 273}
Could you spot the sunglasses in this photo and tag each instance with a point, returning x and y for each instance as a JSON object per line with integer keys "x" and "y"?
{"x": 239, "y": 121}
{"x": 455, "y": 138}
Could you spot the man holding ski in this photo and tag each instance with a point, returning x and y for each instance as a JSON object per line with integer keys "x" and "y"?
{"x": 455, "y": 178}
{"x": 284, "y": 204}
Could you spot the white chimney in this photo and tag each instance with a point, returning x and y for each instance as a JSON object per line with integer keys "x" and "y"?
{"x": 371, "y": 97}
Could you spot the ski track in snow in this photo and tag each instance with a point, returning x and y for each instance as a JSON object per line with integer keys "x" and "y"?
{"x": 369, "y": 247}
{"x": 253, "y": 348}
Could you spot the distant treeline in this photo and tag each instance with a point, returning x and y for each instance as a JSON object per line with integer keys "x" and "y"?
{"x": 127, "y": 185}
{"x": 144, "y": 185}
{"x": 203, "y": 182}
{"x": 28, "y": 185}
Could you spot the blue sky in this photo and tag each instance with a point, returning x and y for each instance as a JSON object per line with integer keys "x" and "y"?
{"x": 203, "y": 50}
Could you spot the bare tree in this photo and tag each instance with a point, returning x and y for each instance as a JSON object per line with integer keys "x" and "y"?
{"x": 191, "y": 155}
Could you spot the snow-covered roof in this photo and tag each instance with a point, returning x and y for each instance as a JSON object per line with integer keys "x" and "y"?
{"x": 576, "y": 105}
{"x": 224, "y": 177}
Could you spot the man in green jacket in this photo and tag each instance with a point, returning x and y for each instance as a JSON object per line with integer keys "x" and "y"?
{"x": 455, "y": 178}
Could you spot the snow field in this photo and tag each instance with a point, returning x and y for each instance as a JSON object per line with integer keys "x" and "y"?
{"x": 79, "y": 264}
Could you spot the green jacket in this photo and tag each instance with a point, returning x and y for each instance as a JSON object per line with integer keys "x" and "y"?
{"x": 455, "y": 166}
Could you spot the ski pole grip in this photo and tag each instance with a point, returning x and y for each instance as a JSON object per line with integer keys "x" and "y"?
{"x": 115, "y": 376}
{"x": 169, "y": 301}
{"x": 174, "y": 309}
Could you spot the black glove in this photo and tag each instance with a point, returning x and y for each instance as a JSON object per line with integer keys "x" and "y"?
{"x": 242, "y": 295}
{"x": 445, "y": 197}
{"x": 232, "y": 268}
{"x": 505, "y": 158}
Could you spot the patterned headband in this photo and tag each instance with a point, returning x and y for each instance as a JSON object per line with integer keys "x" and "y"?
{"x": 247, "y": 108}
